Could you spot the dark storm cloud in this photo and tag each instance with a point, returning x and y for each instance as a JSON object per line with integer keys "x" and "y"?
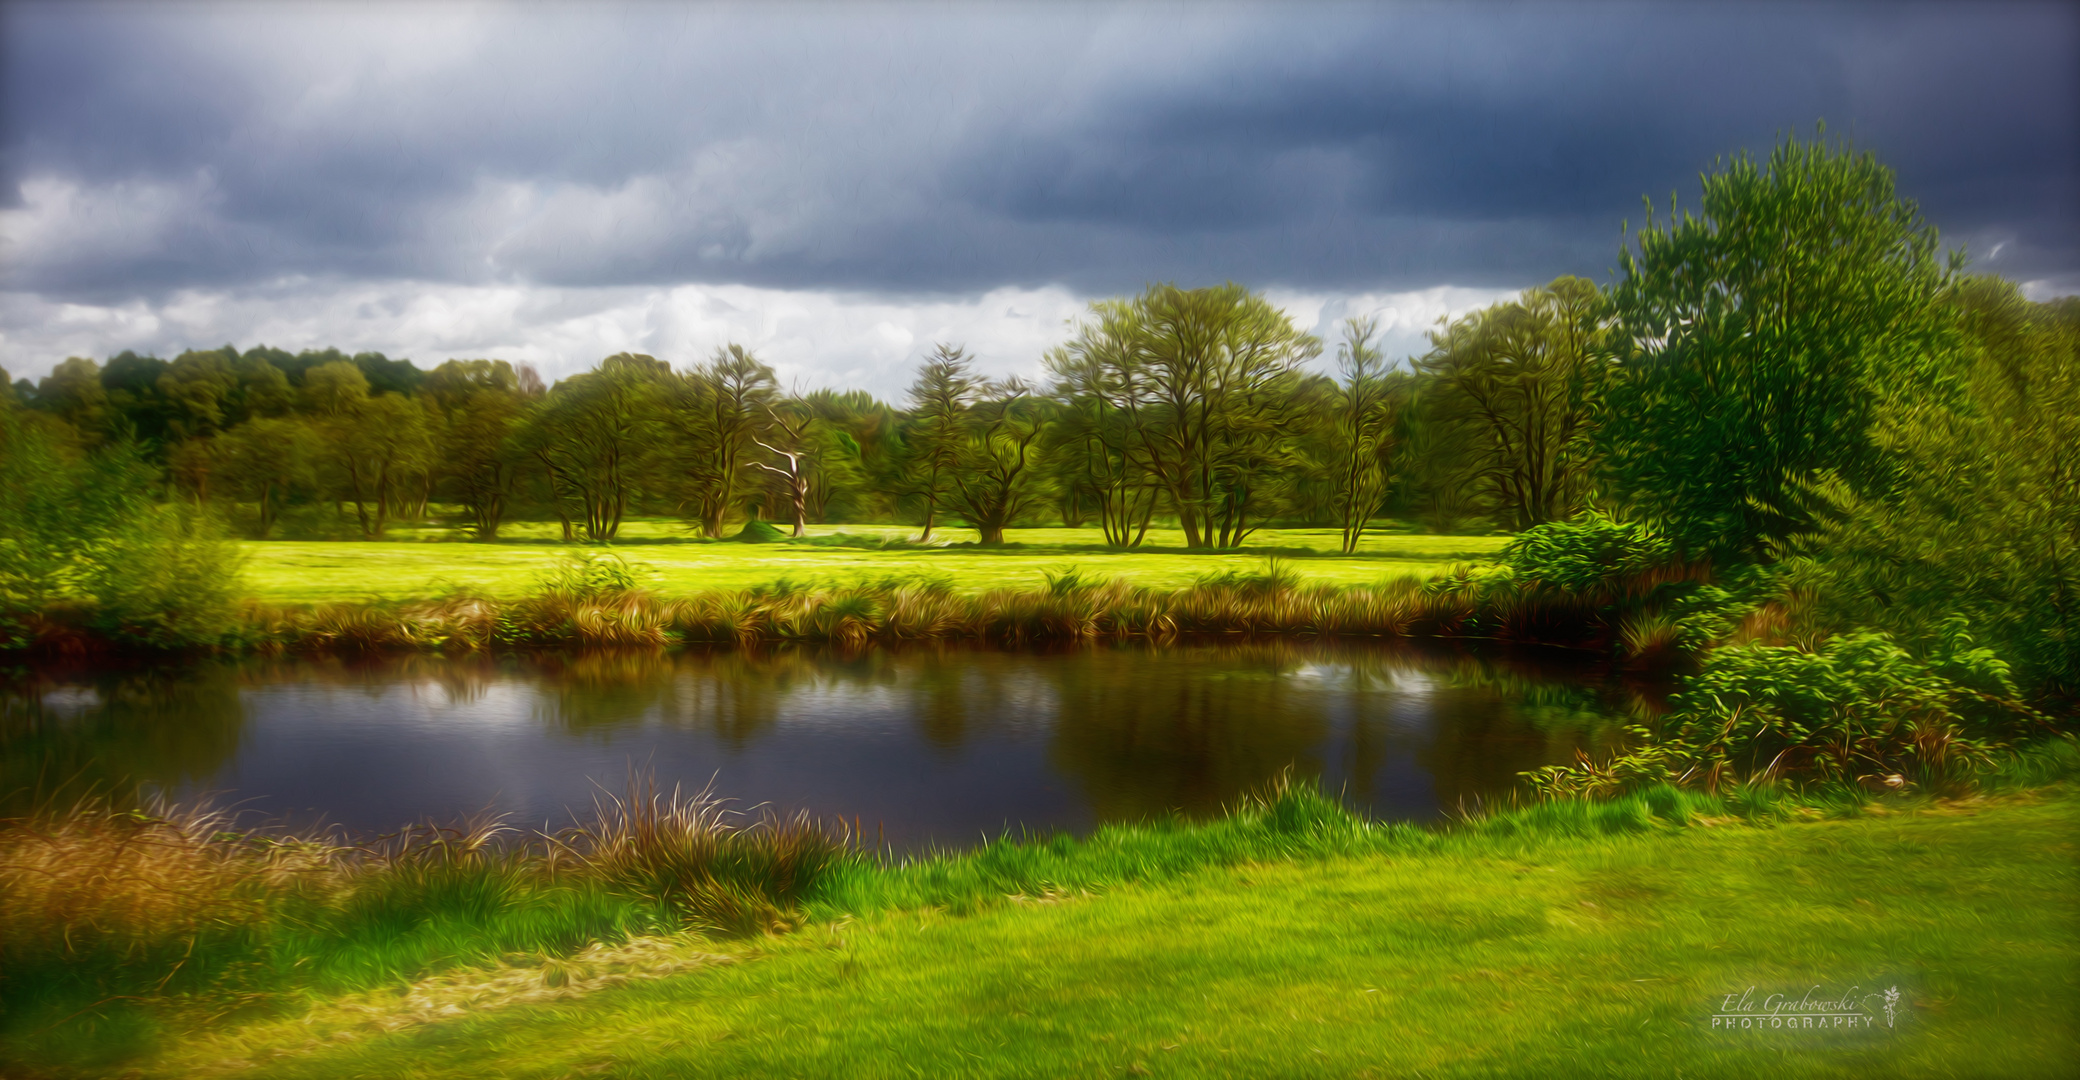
{"x": 157, "y": 146}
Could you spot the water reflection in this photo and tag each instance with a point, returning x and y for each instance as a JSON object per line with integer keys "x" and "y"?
{"x": 67, "y": 733}
{"x": 937, "y": 742}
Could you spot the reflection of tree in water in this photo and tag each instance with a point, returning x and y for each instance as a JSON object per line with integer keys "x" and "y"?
{"x": 107, "y": 732}
{"x": 1142, "y": 731}
{"x": 461, "y": 679}
{"x": 1147, "y": 732}
{"x": 1193, "y": 728}
{"x": 599, "y": 690}
{"x": 940, "y": 690}
{"x": 954, "y": 691}
{"x": 948, "y": 689}
{"x": 1508, "y": 713}
{"x": 738, "y": 694}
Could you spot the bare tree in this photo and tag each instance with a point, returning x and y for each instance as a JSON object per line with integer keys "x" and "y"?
{"x": 793, "y": 430}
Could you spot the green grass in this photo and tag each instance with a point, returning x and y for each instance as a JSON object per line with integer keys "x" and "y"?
{"x": 1514, "y": 949}
{"x": 414, "y": 566}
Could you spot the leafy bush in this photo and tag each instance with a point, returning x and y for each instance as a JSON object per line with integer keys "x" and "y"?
{"x": 85, "y": 545}
{"x": 1593, "y": 554}
{"x": 1859, "y": 710}
{"x": 586, "y": 575}
{"x": 759, "y": 532}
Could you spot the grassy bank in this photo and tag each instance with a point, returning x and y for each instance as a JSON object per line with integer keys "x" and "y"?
{"x": 1289, "y": 938}
{"x": 1601, "y": 957}
{"x": 677, "y": 562}
{"x": 1067, "y": 606}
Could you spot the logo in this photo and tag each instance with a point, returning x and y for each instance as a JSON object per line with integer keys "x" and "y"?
{"x": 1813, "y": 1010}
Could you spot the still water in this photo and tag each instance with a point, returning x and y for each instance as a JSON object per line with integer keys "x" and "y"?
{"x": 932, "y": 745}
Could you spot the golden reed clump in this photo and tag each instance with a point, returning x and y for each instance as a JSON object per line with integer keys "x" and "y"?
{"x": 1456, "y": 603}
{"x": 131, "y": 881}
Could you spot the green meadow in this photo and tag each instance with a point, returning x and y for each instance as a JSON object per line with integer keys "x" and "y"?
{"x": 1496, "y": 952}
{"x": 676, "y": 561}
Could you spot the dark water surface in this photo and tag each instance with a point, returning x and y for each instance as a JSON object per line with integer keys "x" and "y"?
{"x": 934, "y": 745}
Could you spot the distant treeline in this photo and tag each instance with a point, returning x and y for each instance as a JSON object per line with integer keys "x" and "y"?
{"x": 1187, "y": 405}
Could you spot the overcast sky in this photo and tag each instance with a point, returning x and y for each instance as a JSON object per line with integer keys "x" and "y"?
{"x": 840, "y": 186}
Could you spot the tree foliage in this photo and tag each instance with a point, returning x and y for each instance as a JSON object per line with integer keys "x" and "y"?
{"x": 1520, "y": 382}
{"x": 945, "y": 390}
{"x": 86, "y": 533}
{"x": 1984, "y": 519}
{"x": 1759, "y": 339}
{"x": 1203, "y": 381}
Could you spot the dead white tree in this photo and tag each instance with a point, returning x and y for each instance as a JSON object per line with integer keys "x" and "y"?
{"x": 795, "y": 474}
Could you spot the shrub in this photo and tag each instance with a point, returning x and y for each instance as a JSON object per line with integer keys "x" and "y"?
{"x": 1859, "y": 710}
{"x": 83, "y": 540}
{"x": 1592, "y": 555}
{"x": 759, "y": 532}
{"x": 586, "y": 575}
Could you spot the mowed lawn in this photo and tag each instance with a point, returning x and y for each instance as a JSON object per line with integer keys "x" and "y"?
{"x": 1569, "y": 958}
{"x": 674, "y": 560}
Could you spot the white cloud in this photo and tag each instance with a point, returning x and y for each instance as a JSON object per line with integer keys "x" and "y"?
{"x": 2051, "y": 288}
{"x": 62, "y": 223}
{"x": 1404, "y": 317}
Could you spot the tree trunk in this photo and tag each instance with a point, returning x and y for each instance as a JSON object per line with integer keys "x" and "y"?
{"x": 382, "y": 501}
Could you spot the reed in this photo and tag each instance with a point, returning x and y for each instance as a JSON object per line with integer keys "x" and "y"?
{"x": 682, "y": 854}
{"x": 859, "y": 613}
{"x": 115, "y": 922}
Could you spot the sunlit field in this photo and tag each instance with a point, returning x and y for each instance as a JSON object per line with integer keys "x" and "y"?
{"x": 676, "y": 560}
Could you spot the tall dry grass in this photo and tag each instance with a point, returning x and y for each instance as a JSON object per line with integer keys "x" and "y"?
{"x": 1460, "y": 602}
{"x": 105, "y": 909}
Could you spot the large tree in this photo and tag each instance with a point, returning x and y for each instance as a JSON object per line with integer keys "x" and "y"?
{"x": 1983, "y": 524}
{"x": 591, "y": 434}
{"x": 1097, "y": 442}
{"x": 945, "y": 389}
{"x": 1759, "y": 338}
{"x": 1521, "y": 381}
{"x": 994, "y": 474}
{"x": 717, "y": 412}
{"x": 73, "y": 391}
{"x": 1205, "y": 380}
{"x": 264, "y": 461}
{"x": 1363, "y": 427}
{"x": 481, "y": 406}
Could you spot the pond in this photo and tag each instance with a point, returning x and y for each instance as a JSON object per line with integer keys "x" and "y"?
{"x": 936, "y": 745}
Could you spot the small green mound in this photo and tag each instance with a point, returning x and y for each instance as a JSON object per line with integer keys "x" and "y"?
{"x": 759, "y": 532}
